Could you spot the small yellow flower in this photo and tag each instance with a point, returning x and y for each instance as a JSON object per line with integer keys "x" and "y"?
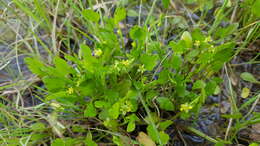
{"x": 115, "y": 66}
{"x": 70, "y": 90}
{"x": 133, "y": 44}
{"x": 197, "y": 43}
{"x": 78, "y": 83}
{"x": 98, "y": 52}
{"x": 119, "y": 32}
{"x": 212, "y": 49}
{"x": 127, "y": 107}
{"x": 185, "y": 107}
{"x": 141, "y": 69}
{"x": 208, "y": 39}
{"x": 126, "y": 62}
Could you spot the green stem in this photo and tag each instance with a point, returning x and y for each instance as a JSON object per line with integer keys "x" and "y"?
{"x": 150, "y": 119}
{"x": 199, "y": 133}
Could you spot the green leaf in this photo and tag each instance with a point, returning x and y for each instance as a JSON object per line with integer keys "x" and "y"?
{"x": 254, "y": 144}
{"x": 248, "y": 77}
{"x": 176, "y": 61}
{"x": 164, "y": 137}
{"x": 137, "y": 33}
{"x": 120, "y": 14}
{"x": 130, "y": 126}
{"x": 192, "y": 54}
{"x": 38, "y": 127}
{"x": 153, "y": 133}
{"x": 166, "y": 3}
{"x": 132, "y": 13}
{"x": 211, "y": 87}
{"x": 84, "y": 52}
{"x": 62, "y": 67}
{"x": 100, "y": 104}
{"x": 255, "y": 8}
{"x": 179, "y": 47}
{"x": 219, "y": 143}
{"x": 165, "y": 124}
{"x": 90, "y": 15}
{"x": 165, "y": 103}
{"x": 90, "y": 111}
{"x": 53, "y": 84}
{"x": 123, "y": 87}
{"x": 229, "y": 30}
{"x": 56, "y": 95}
{"x": 197, "y": 35}
{"x": 187, "y": 38}
{"x": 35, "y": 66}
{"x": 199, "y": 84}
{"x": 89, "y": 141}
{"x": 88, "y": 60}
{"x": 233, "y": 116}
{"x": 114, "y": 111}
{"x": 63, "y": 142}
{"x": 149, "y": 61}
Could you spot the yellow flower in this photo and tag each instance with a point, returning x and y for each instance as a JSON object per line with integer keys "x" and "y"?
{"x": 70, "y": 90}
{"x": 133, "y": 44}
{"x": 126, "y": 62}
{"x": 127, "y": 107}
{"x": 185, "y": 107}
{"x": 208, "y": 39}
{"x": 141, "y": 69}
{"x": 78, "y": 83}
{"x": 197, "y": 43}
{"x": 98, "y": 52}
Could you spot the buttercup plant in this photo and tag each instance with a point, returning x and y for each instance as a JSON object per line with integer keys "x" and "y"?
{"x": 109, "y": 82}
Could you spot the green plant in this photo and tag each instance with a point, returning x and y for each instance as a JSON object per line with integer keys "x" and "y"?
{"x": 110, "y": 83}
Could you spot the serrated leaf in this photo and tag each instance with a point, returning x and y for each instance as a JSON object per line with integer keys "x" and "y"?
{"x": 35, "y": 66}
{"x": 62, "y": 67}
{"x": 248, "y": 77}
{"x": 90, "y": 111}
{"x": 165, "y": 103}
{"x": 90, "y": 15}
{"x": 53, "y": 84}
{"x": 245, "y": 92}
